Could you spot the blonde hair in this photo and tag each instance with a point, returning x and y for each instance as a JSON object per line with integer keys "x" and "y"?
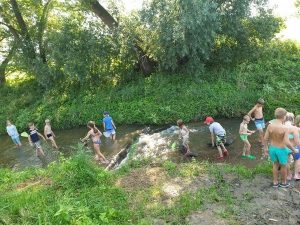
{"x": 180, "y": 122}
{"x": 290, "y": 117}
{"x": 91, "y": 124}
{"x": 280, "y": 113}
{"x": 47, "y": 121}
{"x": 297, "y": 121}
{"x": 245, "y": 117}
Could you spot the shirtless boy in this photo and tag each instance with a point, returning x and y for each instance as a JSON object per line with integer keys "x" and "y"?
{"x": 49, "y": 134}
{"x": 277, "y": 135}
{"x": 259, "y": 121}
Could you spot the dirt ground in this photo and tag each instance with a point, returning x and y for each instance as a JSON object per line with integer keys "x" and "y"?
{"x": 256, "y": 202}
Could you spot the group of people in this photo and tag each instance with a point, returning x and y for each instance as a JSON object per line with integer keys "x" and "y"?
{"x": 280, "y": 142}
{"x": 34, "y": 136}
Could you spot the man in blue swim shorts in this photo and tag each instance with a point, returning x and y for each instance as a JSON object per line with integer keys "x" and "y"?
{"x": 277, "y": 135}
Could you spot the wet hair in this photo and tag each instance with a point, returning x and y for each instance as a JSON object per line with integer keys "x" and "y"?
{"x": 297, "y": 121}
{"x": 260, "y": 101}
{"x": 246, "y": 117}
{"x": 92, "y": 125}
{"x": 280, "y": 113}
{"x": 290, "y": 117}
{"x": 180, "y": 122}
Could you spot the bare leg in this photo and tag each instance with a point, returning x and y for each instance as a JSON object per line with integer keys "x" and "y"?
{"x": 97, "y": 151}
{"x": 40, "y": 152}
{"x": 220, "y": 151}
{"x": 275, "y": 172}
{"x": 53, "y": 142}
{"x": 113, "y": 137}
{"x": 283, "y": 174}
{"x": 297, "y": 169}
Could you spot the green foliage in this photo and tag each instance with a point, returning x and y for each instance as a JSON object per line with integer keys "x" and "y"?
{"x": 76, "y": 192}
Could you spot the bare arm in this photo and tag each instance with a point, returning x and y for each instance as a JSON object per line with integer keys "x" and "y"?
{"x": 103, "y": 125}
{"x": 86, "y": 137}
{"x": 296, "y": 137}
{"x": 251, "y": 112}
{"x": 112, "y": 122}
{"x": 212, "y": 139}
{"x": 287, "y": 142}
{"x": 41, "y": 136}
{"x": 265, "y": 141}
{"x": 45, "y": 133}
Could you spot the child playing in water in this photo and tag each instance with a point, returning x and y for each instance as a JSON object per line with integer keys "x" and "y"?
{"x": 95, "y": 135}
{"x": 278, "y": 151}
{"x": 13, "y": 133}
{"x": 184, "y": 135}
{"x": 34, "y": 139}
{"x": 109, "y": 126}
{"x": 244, "y": 133}
{"x": 217, "y": 130}
{"x": 259, "y": 121}
{"x": 49, "y": 134}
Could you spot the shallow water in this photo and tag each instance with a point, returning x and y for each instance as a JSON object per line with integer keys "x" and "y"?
{"x": 199, "y": 138}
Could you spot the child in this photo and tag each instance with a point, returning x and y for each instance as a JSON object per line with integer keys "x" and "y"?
{"x": 13, "y": 133}
{"x": 49, "y": 134}
{"x": 259, "y": 121}
{"x": 278, "y": 151}
{"x": 184, "y": 136}
{"x": 244, "y": 132}
{"x": 217, "y": 130}
{"x": 297, "y": 155}
{"x": 34, "y": 139}
{"x": 95, "y": 134}
{"x": 109, "y": 126}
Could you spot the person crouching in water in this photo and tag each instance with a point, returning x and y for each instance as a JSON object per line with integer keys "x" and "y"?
{"x": 95, "y": 135}
{"x": 34, "y": 139}
{"x": 244, "y": 133}
{"x": 279, "y": 148}
{"x": 217, "y": 130}
{"x": 184, "y": 136}
{"x": 49, "y": 134}
{"x": 297, "y": 155}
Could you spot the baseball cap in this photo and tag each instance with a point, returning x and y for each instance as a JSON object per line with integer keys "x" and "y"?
{"x": 209, "y": 119}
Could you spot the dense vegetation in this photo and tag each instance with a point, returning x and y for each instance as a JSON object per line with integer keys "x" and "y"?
{"x": 70, "y": 61}
{"x": 76, "y": 191}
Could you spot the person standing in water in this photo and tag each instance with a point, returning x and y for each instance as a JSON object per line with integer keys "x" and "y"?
{"x": 95, "y": 135}
{"x": 34, "y": 139}
{"x": 218, "y": 132}
{"x": 184, "y": 136}
{"x": 109, "y": 126}
{"x": 244, "y": 133}
{"x": 13, "y": 133}
{"x": 49, "y": 134}
{"x": 279, "y": 148}
{"x": 259, "y": 121}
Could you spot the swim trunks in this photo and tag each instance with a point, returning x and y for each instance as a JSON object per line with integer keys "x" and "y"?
{"x": 16, "y": 140}
{"x": 244, "y": 137}
{"x": 98, "y": 142}
{"x": 220, "y": 139}
{"x": 260, "y": 123}
{"x": 49, "y": 135}
{"x": 280, "y": 155}
{"x": 297, "y": 155}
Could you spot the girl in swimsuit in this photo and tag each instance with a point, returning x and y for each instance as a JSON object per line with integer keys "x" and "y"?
{"x": 49, "y": 134}
{"x": 95, "y": 135}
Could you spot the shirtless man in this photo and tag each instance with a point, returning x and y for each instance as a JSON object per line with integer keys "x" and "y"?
{"x": 259, "y": 121}
{"x": 278, "y": 151}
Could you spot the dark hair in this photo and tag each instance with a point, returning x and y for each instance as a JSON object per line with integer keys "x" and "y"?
{"x": 260, "y": 101}
{"x": 92, "y": 125}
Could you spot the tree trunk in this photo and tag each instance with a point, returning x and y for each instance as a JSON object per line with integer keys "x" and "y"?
{"x": 146, "y": 65}
{"x": 4, "y": 64}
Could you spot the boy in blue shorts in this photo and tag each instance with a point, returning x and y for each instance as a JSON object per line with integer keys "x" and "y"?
{"x": 259, "y": 121}
{"x": 109, "y": 126}
{"x": 218, "y": 132}
{"x": 277, "y": 134}
{"x": 13, "y": 133}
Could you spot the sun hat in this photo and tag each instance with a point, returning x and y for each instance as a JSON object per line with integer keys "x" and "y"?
{"x": 208, "y": 120}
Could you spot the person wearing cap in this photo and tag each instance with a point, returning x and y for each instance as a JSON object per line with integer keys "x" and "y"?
{"x": 109, "y": 126}
{"x": 218, "y": 132}
{"x": 49, "y": 134}
{"x": 259, "y": 121}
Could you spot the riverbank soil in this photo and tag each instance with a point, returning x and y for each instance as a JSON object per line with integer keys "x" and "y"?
{"x": 205, "y": 194}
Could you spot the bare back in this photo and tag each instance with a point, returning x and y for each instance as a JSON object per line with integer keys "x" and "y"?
{"x": 277, "y": 134}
